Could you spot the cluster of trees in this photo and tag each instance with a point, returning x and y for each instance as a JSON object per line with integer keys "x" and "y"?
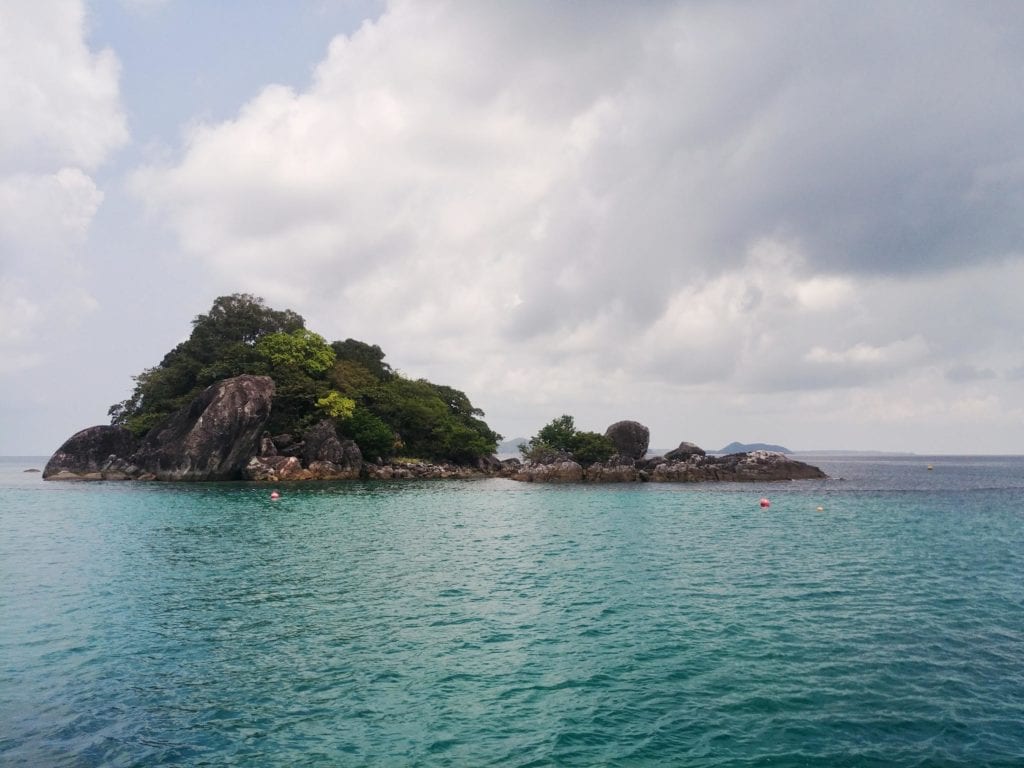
{"x": 560, "y": 437}
{"x": 347, "y": 381}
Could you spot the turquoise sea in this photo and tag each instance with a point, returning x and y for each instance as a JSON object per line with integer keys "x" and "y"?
{"x": 494, "y": 623}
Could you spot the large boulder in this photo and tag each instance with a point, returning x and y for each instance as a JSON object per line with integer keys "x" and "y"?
{"x": 630, "y": 438}
{"x": 685, "y": 451}
{"x": 321, "y": 445}
{"x": 96, "y": 453}
{"x": 214, "y": 436}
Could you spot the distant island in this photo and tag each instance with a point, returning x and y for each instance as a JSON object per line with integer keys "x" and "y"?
{"x": 252, "y": 394}
{"x": 746, "y": 447}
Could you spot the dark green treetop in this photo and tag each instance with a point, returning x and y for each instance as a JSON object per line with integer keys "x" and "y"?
{"x": 348, "y": 381}
{"x": 560, "y": 436}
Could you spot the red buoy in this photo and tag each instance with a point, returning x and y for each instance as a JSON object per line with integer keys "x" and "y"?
{"x": 765, "y": 503}
{"x": 274, "y": 495}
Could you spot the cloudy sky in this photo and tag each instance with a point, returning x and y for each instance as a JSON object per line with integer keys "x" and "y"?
{"x": 793, "y": 222}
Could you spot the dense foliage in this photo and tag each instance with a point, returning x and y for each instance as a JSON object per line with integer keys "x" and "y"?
{"x": 346, "y": 381}
{"x": 560, "y": 437}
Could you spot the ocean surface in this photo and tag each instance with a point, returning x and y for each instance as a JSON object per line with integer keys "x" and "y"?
{"x": 495, "y": 623}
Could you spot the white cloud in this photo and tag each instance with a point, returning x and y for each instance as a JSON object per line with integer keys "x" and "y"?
{"x": 556, "y": 203}
{"x": 61, "y": 119}
{"x": 60, "y": 99}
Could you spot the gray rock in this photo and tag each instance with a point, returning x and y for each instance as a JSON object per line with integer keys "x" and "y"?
{"x": 90, "y": 452}
{"x": 275, "y": 468}
{"x": 558, "y": 472}
{"x": 630, "y": 438}
{"x": 764, "y": 465}
{"x": 489, "y": 464}
{"x": 321, "y": 443}
{"x": 213, "y": 437}
{"x": 685, "y": 451}
{"x": 612, "y": 473}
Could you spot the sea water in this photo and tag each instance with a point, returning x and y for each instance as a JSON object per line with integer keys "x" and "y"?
{"x": 499, "y": 623}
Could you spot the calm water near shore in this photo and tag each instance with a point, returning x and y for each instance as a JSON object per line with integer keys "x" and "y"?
{"x": 496, "y": 623}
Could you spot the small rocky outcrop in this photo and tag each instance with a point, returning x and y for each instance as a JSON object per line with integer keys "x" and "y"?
{"x": 95, "y": 453}
{"x": 764, "y": 465}
{"x": 418, "y": 470}
{"x": 555, "y": 472}
{"x": 685, "y": 451}
{"x": 630, "y": 438}
{"x": 327, "y": 456}
{"x": 612, "y": 473}
{"x": 275, "y": 468}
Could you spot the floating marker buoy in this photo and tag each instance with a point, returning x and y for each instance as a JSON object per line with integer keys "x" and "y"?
{"x": 765, "y": 503}
{"x": 274, "y": 495}
{"x": 821, "y": 509}
{"x": 930, "y": 467}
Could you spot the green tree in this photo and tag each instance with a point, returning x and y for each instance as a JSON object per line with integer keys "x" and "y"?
{"x": 300, "y": 350}
{"x": 347, "y": 381}
{"x": 335, "y": 405}
{"x": 591, "y": 447}
{"x": 221, "y": 345}
{"x": 375, "y": 438}
{"x": 559, "y": 433}
{"x": 370, "y": 356}
{"x": 429, "y": 426}
{"x": 560, "y": 436}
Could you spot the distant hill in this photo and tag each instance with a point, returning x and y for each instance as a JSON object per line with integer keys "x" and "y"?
{"x": 747, "y": 447}
{"x": 511, "y": 446}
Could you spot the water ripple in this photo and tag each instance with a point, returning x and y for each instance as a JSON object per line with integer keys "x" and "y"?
{"x": 492, "y": 623}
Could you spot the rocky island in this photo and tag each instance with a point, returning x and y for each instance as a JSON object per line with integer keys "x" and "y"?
{"x": 253, "y": 395}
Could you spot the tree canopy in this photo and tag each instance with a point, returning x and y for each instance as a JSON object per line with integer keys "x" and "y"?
{"x": 347, "y": 381}
{"x": 560, "y": 436}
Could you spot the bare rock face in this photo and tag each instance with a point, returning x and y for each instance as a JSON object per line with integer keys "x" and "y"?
{"x": 630, "y": 438}
{"x": 557, "y": 472}
{"x": 275, "y": 468}
{"x": 685, "y": 451}
{"x": 612, "y": 473}
{"x": 96, "y": 453}
{"x": 764, "y": 465}
{"x": 327, "y": 457}
{"x": 213, "y": 437}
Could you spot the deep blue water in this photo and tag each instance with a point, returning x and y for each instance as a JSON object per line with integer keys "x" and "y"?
{"x": 496, "y": 623}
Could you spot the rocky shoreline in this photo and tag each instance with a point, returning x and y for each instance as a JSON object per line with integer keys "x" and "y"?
{"x": 221, "y": 436}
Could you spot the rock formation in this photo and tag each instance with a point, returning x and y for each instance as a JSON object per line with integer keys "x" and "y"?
{"x": 685, "y": 451}
{"x": 96, "y": 453}
{"x": 220, "y": 436}
{"x": 630, "y": 438}
{"x": 688, "y": 463}
{"x": 214, "y": 437}
{"x": 556, "y": 472}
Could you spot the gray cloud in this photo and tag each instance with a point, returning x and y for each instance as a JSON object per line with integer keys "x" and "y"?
{"x": 765, "y": 198}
